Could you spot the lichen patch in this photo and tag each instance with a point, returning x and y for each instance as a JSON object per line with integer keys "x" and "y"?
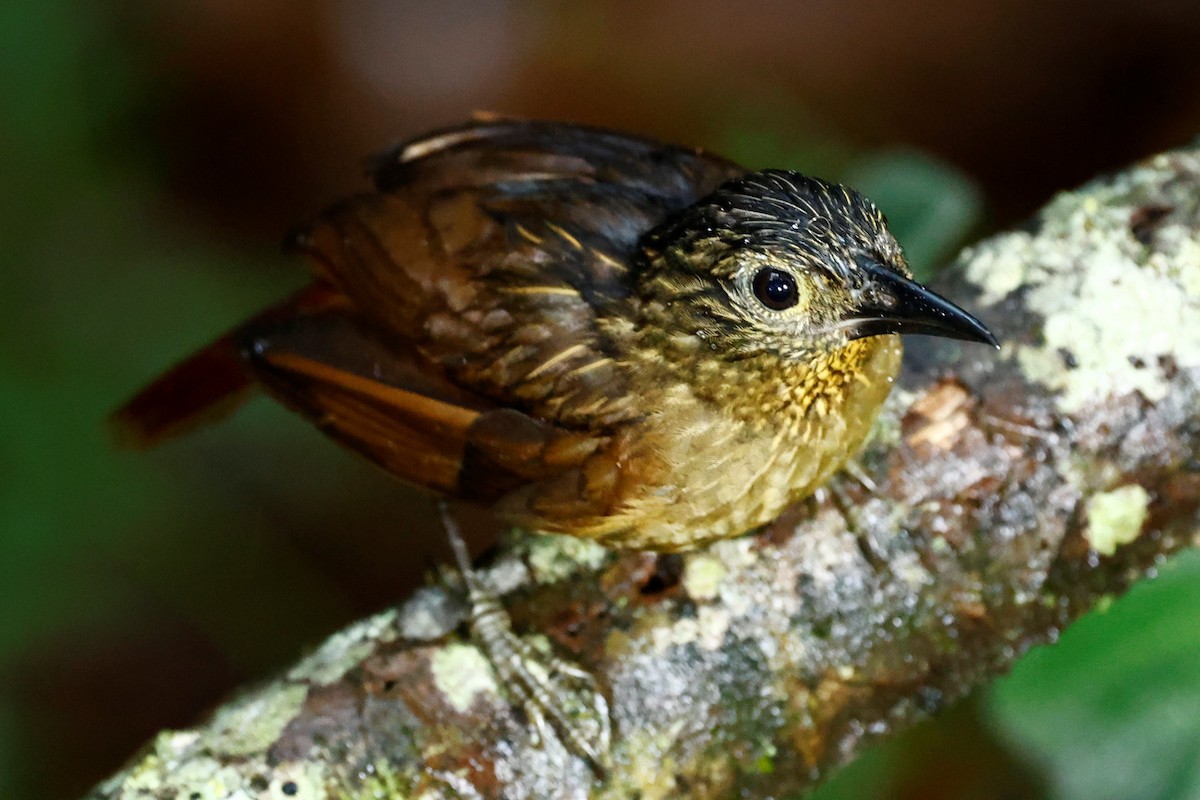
{"x": 253, "y": 723}
{"x": 998, "y": 271}
{"x": 1118, "y": 323}
{"x": 208, "y": 779}
{"x": 344, "y": 650}
{"x": 429, "y": 614}
{"x": 556, "y": 558}
{"x": 1113, "y": 310}
{"x": 702, "y": 577}
{"x": 462, "y": 673}
{"x": 1115, "y": 518}
{"x": 199, "y": 777}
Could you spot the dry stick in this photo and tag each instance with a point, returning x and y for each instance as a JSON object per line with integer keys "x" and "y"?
{"x": 1013, "y": 492}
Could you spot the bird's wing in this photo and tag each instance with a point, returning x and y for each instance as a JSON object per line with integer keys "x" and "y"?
{"x": 451, "y": 335}
{"x": 489, "y": 250}
{"x": 329, "y": 367}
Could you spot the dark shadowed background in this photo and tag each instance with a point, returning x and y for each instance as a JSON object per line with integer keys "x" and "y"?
{"x": 153, "y": 153}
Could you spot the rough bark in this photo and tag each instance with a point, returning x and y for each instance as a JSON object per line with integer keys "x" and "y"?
{"x": 1012, "y": 492}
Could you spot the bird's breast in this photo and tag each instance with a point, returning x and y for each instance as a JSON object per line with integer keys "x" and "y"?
{"x": 709, "y": 470}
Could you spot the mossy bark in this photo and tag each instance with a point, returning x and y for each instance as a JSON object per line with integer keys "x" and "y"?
{"x": 1012, "y": 492}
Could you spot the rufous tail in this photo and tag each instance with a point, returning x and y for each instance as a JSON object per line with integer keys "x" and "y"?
{"x": 205, "y": 387}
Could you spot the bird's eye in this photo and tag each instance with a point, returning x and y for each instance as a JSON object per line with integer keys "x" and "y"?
{"x": 776, "y": 289}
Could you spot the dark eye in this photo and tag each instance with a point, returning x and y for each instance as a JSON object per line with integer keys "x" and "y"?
{"x": 775, "y": 289}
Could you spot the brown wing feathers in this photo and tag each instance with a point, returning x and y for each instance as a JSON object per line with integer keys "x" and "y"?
{"x": 416, "y": 437}
{"x": 452, "y": 335}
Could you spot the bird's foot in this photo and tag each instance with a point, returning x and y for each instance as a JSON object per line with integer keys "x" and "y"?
{"x": 554, "y": 693}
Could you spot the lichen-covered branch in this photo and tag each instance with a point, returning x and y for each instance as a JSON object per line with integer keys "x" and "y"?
{"x": 1008, "y": 492}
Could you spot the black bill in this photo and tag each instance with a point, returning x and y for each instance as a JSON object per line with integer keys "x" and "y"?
{"x": 890, "y": 303}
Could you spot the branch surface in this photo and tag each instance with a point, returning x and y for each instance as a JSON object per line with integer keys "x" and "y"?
{"x": 1011, "y": 492}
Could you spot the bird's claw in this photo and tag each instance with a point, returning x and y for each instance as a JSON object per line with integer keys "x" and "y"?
{"x": 553, "y": 693}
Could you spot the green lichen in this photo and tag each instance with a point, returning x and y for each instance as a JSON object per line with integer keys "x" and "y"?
{"x": 345, "y": 650}
{"x": 702, "y": 577}
{"x": 712, "y": 623}
{"x": 252, "y": 723}
{"x": 145, "y": 776}
{"x": 650, "y": 765}
{"x": 208, "y": 779}
{"x": 178, "y": 767}
{"x": 999, "y": 270}
{"x": 1108, "y": 328}
{"x": 182, "y": 764}
{"x": 462, "y": 673}
{"x": 707, "y": 630}
{"x": 556, "y": 558}
{"x": 1116, "y": 518}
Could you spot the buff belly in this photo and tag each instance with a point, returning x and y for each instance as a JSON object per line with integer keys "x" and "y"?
{"x": 722, "y": 478}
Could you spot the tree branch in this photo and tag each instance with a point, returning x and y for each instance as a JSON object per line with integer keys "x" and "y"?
{"x": 1012, "y": 492}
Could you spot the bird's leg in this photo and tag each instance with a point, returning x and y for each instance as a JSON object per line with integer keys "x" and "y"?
{"x": 548, "y": 688}
{"x": 855, "y": 470}
{"x": 871, "y": 552}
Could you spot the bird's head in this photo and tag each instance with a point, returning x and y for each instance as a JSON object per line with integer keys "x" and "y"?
{"x": 781, "y": 264}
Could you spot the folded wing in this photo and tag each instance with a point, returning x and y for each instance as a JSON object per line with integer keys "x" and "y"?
{"x": 456, "y": 333}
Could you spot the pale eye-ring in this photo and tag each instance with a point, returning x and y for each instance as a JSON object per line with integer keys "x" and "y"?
{"x": 775, "y": 288}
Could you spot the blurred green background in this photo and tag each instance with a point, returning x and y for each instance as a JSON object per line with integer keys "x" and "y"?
{"x": 152, "y": 154}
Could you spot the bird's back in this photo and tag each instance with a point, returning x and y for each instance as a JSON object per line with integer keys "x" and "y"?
{"x": 491, "y": 248}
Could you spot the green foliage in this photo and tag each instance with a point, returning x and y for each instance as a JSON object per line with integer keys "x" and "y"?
{"x": 1113, "y": 709}
{"x": 870, "y": 775}
{"x": 92, "y": 275}
{"x": 100, "y": 288}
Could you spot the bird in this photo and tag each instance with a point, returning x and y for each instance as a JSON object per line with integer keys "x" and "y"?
{"x": 587, "y": 332}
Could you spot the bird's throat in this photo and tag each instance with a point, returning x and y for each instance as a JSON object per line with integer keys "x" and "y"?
{"x": 767, "y": 392}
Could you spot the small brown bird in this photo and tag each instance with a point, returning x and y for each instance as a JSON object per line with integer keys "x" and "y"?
{"x": 588, "y": 332}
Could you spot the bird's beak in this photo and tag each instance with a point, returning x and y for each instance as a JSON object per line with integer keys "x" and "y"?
{"x": 888, "y": 302}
